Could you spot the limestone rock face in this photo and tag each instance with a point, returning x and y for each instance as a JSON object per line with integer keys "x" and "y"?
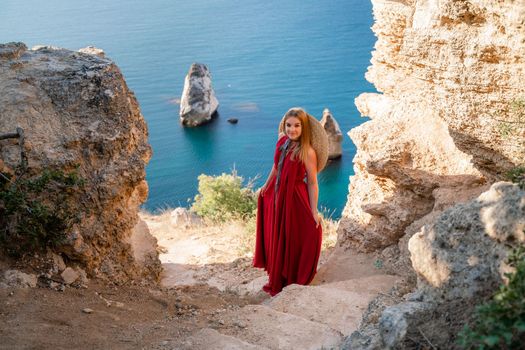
{"x": 77, "y": 112}
{"x": 198, "y": 102}
{"x": 335, "y": 136}
{"x": 460, "y": 256}
{"x": 448, "y": 118}
{"x": 144, "y": 249}
{"x": 459, "y": 259}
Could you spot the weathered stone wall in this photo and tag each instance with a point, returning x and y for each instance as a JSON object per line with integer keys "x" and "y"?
{"x": 445, "y": 123}
{"x": 460, "y": 259}
{"x": 77, "y": 111}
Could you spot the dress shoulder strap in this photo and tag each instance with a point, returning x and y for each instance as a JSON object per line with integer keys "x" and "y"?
{"x": 283, "y": 148}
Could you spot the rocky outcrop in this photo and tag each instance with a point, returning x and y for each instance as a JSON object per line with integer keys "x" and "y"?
{"x": 198, "y": 104}
{"x": 335, "y": 136}
{"x": 78, "y": 113}
{"x": 447, "y": 122}
{"x": 448, "y": 119}
{"x": 460, "y": 256}
{"x": 459, "y": 260}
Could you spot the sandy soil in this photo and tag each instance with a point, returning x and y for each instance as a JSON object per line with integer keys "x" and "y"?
{"x": 136, "y": 318}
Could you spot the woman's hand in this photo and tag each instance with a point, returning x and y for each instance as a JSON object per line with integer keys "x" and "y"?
{"x": 317, "y": 219}
{"x": 263, "y": 189}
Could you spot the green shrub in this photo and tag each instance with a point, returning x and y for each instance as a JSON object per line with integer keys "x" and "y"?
{"x": 500, "y": 323}
{"x": 35, "y": 211}
{"x": 223, "y": 198}
{"x": 517, "y": 175}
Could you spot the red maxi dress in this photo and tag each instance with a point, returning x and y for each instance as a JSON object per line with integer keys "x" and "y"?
{"x": 287, "y": 243}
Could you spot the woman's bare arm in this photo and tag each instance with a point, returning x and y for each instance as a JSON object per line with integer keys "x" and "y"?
{"x": 313, "y": 188}
{"x": 272, "y": 172}
{"x": 270, "y": 177}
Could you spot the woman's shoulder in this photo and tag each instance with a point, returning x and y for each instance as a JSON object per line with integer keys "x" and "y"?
{"x": 281, "y": 138}
{"x": 311, "y": 153}
{"x": 311, "y": 157}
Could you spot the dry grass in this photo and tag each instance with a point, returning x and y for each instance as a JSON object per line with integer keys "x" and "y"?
{"x": 329, "y": 233}
{"x": 211, "y": 242}
{"x": 217, "y": 242}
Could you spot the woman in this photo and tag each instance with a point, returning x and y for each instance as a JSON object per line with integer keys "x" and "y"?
{"x": 289, "y": 232}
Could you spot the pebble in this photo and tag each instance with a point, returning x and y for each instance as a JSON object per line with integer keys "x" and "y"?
{"x": 87, "y": 310}
{"x": 69, "y": 275}
{"x": 240, "y": 324}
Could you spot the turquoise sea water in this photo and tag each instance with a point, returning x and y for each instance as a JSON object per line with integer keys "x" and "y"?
{"x": 265, "y": 57}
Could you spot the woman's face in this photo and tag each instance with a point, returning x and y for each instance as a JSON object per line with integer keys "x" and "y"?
{"x": 292, "y": 128}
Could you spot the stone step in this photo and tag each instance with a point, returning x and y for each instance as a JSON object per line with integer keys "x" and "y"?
{"x": 261, "y": 325}
{"x": 345, "y": 264}
{"x": 209, "y": 338}
{"x": 370, "y": 284}
{"x": 339, "y": 305}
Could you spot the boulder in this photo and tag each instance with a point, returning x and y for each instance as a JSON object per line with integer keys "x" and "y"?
{"x": 144, "y": 248}
{"x": 18, "y": 279}
{"x": 461, "y": 255}
{"x": 335, "y": 136}
{"x": 459, "y": 259}
{"x": 397, "y": 321}
{"x": 182, "y": 217}
{"x": 198, "y": 103}
{"x": 58, "y": 262}
{"x": 79, "y": 115}
{"x": 69, "y": 275}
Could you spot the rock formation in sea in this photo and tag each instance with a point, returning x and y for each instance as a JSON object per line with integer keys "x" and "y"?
{"x": 78, "y": 113}
{"x": 335, "y": 136}
{"x": 198, "y": 104}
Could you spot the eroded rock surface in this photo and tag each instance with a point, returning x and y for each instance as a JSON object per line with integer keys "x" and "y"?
{"x": 78, "y": 113}
{"x": 460, "y": 256}
{"x": 446, "y": 119}
{"x": 460, "y": 261}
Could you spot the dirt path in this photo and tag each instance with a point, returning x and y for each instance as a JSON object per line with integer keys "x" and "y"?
{"x": 208, "y": 297}
{"x": 130, "y": 317}
{"x": 139, "y": 317}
